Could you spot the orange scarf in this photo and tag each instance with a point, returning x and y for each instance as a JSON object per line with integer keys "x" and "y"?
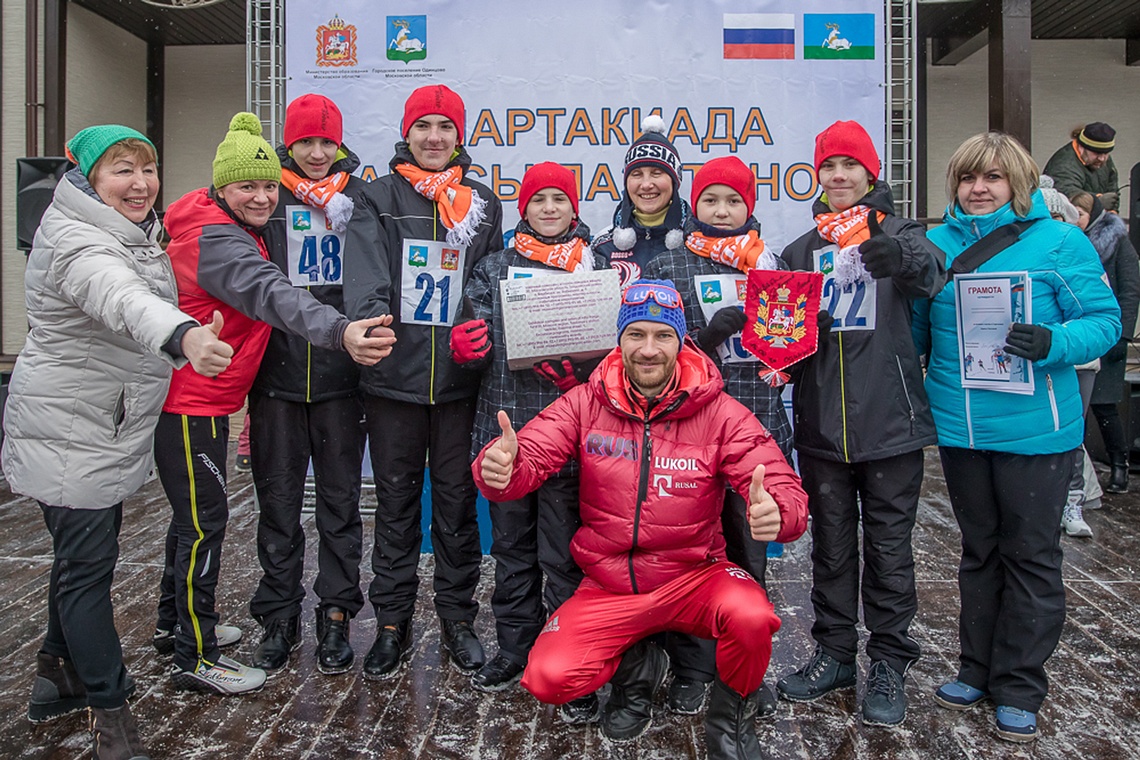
{"x": 845, "y": 228}
{"x": 738, "y": 251}
{"x": 314, "y": 192}
{"x": 326, "y": 194}
{"x": 460, "y": 208}
{"x": 566, "y": 256}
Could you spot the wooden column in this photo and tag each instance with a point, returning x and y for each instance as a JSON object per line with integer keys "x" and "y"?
{"x": 1009, "y": 84}
{"x": 55, "y": 76}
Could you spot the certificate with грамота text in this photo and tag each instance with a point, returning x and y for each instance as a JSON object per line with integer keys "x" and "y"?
{"x": 987, "y": 303}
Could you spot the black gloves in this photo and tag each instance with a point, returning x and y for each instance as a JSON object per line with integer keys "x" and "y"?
{"x": 824, "y": 321}
{"x": 1109, "y": 200}
{"x": 882, "y": 255}
{"x": 1030, "y": 342}
{"x": 724, "y": 323}
{"x": 1118, "y": 351}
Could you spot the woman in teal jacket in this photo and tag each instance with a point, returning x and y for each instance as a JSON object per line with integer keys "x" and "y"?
{"x": 1006, "y": 456}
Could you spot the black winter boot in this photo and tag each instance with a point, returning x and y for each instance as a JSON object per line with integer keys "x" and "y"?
{"x": 334, "y": 652}
{"x": 115, "y": 735}
{"x": 629, "y": 710}
{"x": 280, "y": 638}
{"x": 57, "y": 690}
{"x": 1118, "y": 478}
{"x": 730, "y": 724}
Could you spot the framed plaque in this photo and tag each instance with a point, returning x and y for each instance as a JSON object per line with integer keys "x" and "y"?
{"x": 571, "y": 315}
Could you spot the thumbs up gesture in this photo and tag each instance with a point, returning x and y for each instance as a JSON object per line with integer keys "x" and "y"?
{"x": 499, "y": 459}
{"x": 882, "y": 255}
{"x": 207, "y": 354}
{"x": 763, "y": 514}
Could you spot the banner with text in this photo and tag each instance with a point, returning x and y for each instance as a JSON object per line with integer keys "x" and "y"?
{"x": 572, "y": 82}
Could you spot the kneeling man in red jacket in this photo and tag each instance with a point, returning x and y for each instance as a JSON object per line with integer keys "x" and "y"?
{"x": 657, "y": 439}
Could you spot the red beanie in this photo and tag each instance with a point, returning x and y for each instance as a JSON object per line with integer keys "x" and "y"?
{"x": 313, "y": 116}
{"x": 847, "y": 138}
{"x": 730, "y": 171}
{"x": 544, "y": 175}
{"x": 433, "y": 99}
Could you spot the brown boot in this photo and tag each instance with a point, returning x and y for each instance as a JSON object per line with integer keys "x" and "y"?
{"x": 57, "y": 690}
{"x": 115, "y": 735}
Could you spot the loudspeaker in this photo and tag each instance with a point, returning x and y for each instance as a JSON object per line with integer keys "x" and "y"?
{"x": 36, "y": 179}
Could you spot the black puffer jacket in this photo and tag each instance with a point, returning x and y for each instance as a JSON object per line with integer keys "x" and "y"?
{"x": 649, "y": 241}
{"x": 389, "y": 211}
{"x": 860, "y": 397}
{"x": 294, "y": 369}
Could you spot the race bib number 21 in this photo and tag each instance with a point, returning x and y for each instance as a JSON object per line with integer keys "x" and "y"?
{"x": 431, "y": 282}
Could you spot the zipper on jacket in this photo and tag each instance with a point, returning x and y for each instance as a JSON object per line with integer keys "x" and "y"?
{"x": 969, "y": 420}
{"x": 906, "y": 392}
{"x": 843, "y": 399}
{"x": 1053, "y": 403}
{"x": 431, "y": 371}
{"x": 642, "y": 493}
{"x": 308, "y": 373}
{"x": 308, "y": 363}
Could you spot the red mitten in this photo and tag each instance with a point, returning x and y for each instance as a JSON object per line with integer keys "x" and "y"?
{"x": 470, "y": 341}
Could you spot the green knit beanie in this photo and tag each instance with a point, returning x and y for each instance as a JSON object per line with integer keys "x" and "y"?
{"x": 244, "y": 154}
{"x": 89, "y": 145}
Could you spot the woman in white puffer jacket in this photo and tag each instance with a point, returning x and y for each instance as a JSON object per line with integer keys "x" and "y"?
{"x": 84, "y": 398}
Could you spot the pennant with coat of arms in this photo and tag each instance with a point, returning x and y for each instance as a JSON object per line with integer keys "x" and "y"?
{"x": 781, "y": 309}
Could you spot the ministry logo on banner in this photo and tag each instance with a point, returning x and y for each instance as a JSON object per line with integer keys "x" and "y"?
{"x": 839, "y": 36}
{"x": 336, "y": 43}
{"x": 760, "y": 36}
{"x": 407, "y": 38}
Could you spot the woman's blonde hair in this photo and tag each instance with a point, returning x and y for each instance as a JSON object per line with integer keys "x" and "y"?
{"x": 131, "y": 147}
{"x": 980, "y": 152}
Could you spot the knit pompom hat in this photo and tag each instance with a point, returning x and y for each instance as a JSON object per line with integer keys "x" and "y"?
{"x": 1056, "y": 201}
{"x": 433, "y": 99}
{"x": 729, "y": 171}
{"x": 313, "y": 116}
{"x": 650, "y": 309}
{"x": 89, "y": 145}
{"x": 244, "y": 154}
{"x": 544, "y": 175}
{"x": 654, "y": 149}
{"x": 847, "y": 138}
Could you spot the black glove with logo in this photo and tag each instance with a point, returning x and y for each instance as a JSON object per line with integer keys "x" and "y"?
{"x": 1030, "y": 342}
{"x": 724, "y": 323}
{"x": 882, "y": 255}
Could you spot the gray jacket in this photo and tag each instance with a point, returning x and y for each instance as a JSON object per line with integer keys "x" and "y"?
{"x": 88, "y": 387}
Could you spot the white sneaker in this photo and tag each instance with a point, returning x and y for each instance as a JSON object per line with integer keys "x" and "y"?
{"x": 225, "y": 677}
{"x": 163, "y": 639}
{"x": 1073, "y": 522}
{"x": 227, "y": 635}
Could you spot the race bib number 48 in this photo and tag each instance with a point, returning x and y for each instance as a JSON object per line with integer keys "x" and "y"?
{"x": 315, "y": 252}
{"x": 431, "y": 283}
{"x": 853, "y": 307}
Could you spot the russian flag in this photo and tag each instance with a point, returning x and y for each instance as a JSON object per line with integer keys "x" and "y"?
{"x": 760, "y": 35}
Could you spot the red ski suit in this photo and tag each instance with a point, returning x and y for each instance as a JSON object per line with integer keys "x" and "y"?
{"x": 650, "y": 545}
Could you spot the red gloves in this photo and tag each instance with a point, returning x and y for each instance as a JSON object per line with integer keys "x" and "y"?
{"x": 470, "y": 342}
{"x": 560, "y": 373}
